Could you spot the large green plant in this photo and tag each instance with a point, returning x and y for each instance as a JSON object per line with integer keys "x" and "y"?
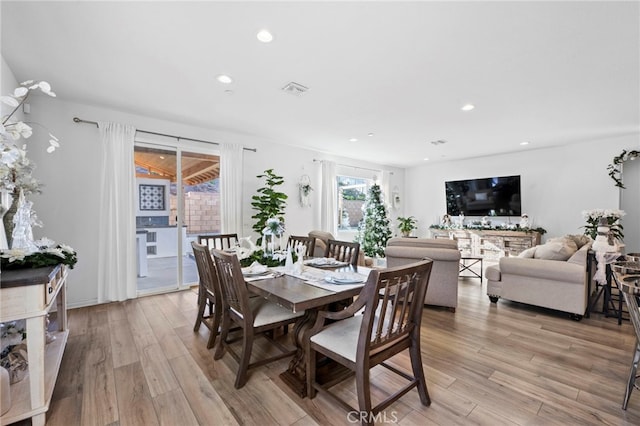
{"x": 269, "y": 202}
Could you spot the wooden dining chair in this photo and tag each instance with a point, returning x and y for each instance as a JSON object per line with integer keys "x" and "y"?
{"x": 343, "y": 251}
{"x": 208, "y": 292}
{"x": 254, "y": 315}
{"x": 626, "y": 276}
{"x": 308, "y": 242}
{"x": 218, "y": 241}
{"x": 389, "y": 324}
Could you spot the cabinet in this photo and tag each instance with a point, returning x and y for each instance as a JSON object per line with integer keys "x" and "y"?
{"x": 490, "y": 244}
{"x": 31, "y": 294}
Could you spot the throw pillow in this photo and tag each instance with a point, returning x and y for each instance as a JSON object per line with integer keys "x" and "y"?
{"x": 556, "y": 249}
{"x": 528, "y": 253}
{"x": 580, "y": 240}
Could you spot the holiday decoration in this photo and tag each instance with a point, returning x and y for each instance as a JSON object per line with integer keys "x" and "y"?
{"x": 373, "y": 229}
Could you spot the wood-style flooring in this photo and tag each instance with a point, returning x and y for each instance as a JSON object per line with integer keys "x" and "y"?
{"x": 140, "y": 363}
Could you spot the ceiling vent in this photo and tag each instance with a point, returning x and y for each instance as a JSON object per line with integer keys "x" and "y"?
{"x": 295, "y": 89}
{"x": 438, "y": 142}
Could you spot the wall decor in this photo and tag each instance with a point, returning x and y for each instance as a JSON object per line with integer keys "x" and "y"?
{"x": 152, "y": 197}
{"x": 305, "y": 188}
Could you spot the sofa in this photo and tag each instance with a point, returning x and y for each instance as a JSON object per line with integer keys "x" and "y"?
{"x": 552, "y": 275}
{"x": 443, "y": 283}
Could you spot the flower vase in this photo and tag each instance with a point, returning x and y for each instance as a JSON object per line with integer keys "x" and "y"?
{"x": 7, "y": 219}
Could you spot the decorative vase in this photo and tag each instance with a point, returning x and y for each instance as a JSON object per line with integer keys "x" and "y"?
{"x": 7, "y": 219}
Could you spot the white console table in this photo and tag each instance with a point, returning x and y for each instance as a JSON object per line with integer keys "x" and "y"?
{"x": 31, "y": 294}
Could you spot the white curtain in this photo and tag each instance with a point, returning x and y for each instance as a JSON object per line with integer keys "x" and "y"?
{"x": 231, "y": 160}
{"x": 329, "y": 197}
{"x": 385, "y": 187}
{"x": 116, "y": 224}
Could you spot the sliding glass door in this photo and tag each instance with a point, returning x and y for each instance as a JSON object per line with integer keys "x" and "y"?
{"x": 177, "y": 199}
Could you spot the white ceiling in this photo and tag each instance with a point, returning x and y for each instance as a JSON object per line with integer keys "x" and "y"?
{"x": 549, "y": 73}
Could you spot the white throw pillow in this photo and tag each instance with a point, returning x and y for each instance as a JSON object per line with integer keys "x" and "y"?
{"x": 556, "y": 249}
{"x": 528, "y": 253}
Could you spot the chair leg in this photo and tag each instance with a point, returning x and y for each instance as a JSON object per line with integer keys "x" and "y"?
{"x": 632, "y": 376}
{"x": 202, "y": 301}
{"x": 214, "y": 327}
{"x": 363, "y": 389}
{"x": 418, "y": 373}
{"x": 220, "y": 347}
{"x": 243, "y": 367}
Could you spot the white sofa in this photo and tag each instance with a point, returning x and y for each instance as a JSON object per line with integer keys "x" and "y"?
{"x": 552, "y": 275}
{"x": 443, "y": 283}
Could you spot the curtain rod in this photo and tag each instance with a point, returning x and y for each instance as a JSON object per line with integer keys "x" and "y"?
{"x": 354, "y": 167}
{"x": 79, "y": 120}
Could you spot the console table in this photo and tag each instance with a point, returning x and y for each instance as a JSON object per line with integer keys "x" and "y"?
{"x": 489, "y": 244}
{"x": 31, "y": 294}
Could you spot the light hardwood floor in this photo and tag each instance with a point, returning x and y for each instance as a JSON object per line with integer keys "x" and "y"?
{"x": 140, "y": 363}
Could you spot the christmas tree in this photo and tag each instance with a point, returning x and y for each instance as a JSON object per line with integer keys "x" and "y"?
{"x": 373, "y": 229}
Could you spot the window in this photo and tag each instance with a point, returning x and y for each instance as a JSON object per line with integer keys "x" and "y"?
{"x": 352, "y": 192}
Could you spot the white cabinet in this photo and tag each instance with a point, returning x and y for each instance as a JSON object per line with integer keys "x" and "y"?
{"x": 31, "y": 294}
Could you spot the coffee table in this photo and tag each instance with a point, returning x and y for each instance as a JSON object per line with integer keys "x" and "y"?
{"x": 466, "y": 262}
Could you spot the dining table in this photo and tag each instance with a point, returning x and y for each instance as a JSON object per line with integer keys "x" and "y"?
{"x": 309, "y": 289}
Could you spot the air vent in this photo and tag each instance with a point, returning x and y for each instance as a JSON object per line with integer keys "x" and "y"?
{"x": 438, "y": 142}
{"x": 295, "y": 89}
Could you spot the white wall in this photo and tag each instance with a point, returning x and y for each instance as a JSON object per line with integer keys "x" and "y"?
{"x": 68, "y": 206}
{"x": 557, "y": 184}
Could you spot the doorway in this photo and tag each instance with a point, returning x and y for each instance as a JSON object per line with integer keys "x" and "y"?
{"x": 178, "y": 198}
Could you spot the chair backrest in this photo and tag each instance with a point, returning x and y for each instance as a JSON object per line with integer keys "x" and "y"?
{"x": 390, "y": 319}
{"x": 321, "y": 241}
{"x": 218, "y": 241}
{"x": 308, "y": 242}
{"x": 206, "y": 269}
{"x": 235, "y": 295}
{"x": 626, "y": 276}
{"x": 343, "y": 251}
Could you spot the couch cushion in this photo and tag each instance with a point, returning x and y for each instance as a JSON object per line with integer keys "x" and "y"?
{"x": 556, "y": 249}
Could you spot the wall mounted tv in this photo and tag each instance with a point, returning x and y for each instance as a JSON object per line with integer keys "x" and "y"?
{"x": 494, "y": 196}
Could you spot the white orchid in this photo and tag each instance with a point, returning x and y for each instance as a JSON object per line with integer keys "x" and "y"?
{"x": 13, "y": 255}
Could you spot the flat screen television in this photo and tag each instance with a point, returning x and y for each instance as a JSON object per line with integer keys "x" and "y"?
{"x": 493, "y": 196}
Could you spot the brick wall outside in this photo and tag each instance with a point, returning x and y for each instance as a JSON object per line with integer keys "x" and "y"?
{"x": 201, "y": 212}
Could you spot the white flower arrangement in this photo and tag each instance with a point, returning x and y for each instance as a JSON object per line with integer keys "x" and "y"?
{"x": 274, "y": 227}
{"x": 15, "y": 168}
{"x": 612, "y": 217}
{"x": 49, "y": 253}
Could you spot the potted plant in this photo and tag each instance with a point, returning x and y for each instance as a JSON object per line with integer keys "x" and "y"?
{"x": 406, "y": 225}
{"x": 269, "y": 202}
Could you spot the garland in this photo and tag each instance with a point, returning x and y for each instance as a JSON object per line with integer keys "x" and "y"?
{"x": 517, "y": 227}
{"x": 614, "y": 171}
{"x": 49, "y": 255}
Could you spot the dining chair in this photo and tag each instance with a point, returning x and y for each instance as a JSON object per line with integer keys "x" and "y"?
{"x": 626, "y": 276}
{"x": 218, "y": 241}
{"x": 255, "y": 316}
{"x": 389, "y": 324}
{"x": 308, "y": 242}
{"x": 208, "y": 292}
{"x": 343, "y": 251}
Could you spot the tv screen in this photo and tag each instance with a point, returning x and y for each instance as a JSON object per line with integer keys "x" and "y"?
{"x": 494, "y": 196}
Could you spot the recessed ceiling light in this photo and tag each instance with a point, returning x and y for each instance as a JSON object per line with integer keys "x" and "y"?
{"x": 353, "y": 140}
{"x": 370, "y": 134}
{"x": 229, "y": 92}
{"x": 225, "y": 79}
{"x": 524, "y": 143}
{"x": 265, "y": 36}
{"x": 426, "y": 159}
{"x": 467, "y": 107}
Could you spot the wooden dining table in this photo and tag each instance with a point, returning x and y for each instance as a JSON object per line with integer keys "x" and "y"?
{"x": 296, "y": 294}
